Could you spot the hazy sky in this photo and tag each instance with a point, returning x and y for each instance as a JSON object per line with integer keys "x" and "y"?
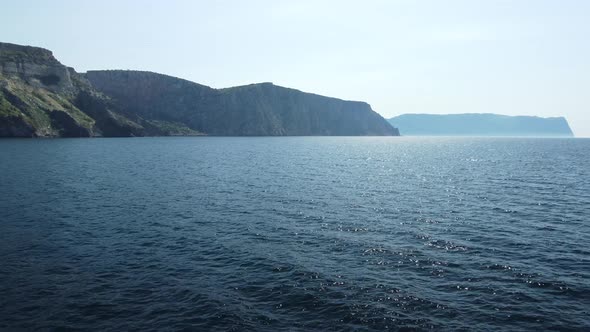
{"x": 528, "y": 57}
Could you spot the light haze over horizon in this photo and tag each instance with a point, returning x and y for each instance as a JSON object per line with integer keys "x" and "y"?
{"x": 515, "y": 57}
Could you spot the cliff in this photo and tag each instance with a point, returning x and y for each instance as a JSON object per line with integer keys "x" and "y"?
{"x": 257, "y": 109}
{"x": 36, "y": 66}
{"x": 480, "y": 125}
{"x": 39, "y": 97}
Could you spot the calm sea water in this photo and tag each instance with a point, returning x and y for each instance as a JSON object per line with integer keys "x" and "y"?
{"x": 295, "y": 234}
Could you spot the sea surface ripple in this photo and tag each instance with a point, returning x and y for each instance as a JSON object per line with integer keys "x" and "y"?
{"x": 295, "y": 234}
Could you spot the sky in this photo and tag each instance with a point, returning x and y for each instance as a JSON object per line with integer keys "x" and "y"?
{"x": 513, "y": 57}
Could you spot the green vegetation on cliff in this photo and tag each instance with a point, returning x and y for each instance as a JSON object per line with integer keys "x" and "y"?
{"x": 47, "y": 112}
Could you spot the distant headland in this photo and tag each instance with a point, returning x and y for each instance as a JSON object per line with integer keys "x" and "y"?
{"x": 485, "y": 124}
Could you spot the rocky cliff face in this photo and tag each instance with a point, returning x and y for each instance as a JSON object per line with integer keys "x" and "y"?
{"x": 35, "y": 66}
{"x": 41, "y": 97}
{"x": 480, "y": 125}
{"x": 257, "y": 109}
{"x": 35, "y": 93}
{"x": 266, "y": 108}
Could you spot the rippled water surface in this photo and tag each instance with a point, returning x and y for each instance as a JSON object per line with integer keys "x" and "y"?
{"x": 295, "y": 234}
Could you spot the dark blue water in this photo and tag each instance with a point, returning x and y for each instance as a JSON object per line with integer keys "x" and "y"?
{"x": 295, "y": 234}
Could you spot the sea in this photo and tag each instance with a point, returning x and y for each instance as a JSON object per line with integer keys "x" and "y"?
{"x": 295, "y": 234}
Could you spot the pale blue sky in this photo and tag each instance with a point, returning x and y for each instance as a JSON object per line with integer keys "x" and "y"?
{"x": 519, "y": 57}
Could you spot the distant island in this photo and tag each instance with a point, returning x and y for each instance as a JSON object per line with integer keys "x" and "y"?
{"x": 40, "y": 97}
{"x": 485, "y": 124}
